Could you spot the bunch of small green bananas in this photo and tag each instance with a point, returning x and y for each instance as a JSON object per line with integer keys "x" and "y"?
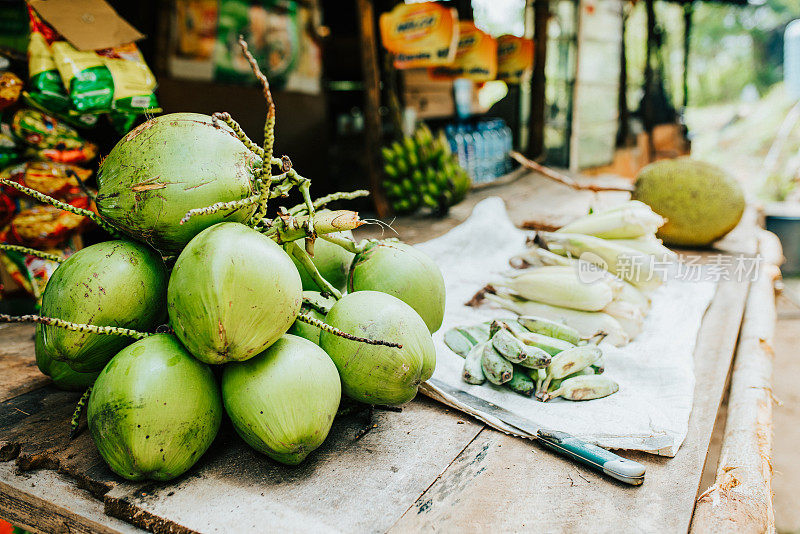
{"x": 532, "y": 356}
{"x": 421, "y": 171}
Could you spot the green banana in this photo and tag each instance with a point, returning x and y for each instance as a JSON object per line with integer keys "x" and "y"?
{"x": 540, "y": 325}
{"x": 497, "y": 369}
{"x": 473, "y": 368}
{"x": 571, "y": 361}
{"x": 521, "y": 383}
{"x": 585, "y": 387}
{"x": 509, "y": 346}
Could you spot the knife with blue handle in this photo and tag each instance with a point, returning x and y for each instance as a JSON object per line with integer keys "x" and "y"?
{"x": 590, "y": 455}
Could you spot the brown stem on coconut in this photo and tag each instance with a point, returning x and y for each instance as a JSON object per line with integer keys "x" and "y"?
{"x": 76, "y": 415}
{"x": 75, "y": 327}
{"x": 301, "y": 256}
{"x": 303, "y": 318}
{"x": 269, "y": 134}
{"x": 32, "y": 252}
{"x": 41, "y": 197}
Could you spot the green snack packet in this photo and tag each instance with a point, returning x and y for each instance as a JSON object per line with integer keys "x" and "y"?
{"x": 85, "y": 75}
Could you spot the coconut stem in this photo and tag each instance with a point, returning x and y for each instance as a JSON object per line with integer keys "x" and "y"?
{"x": 303, "y": 318}
{"x": 286, "y": 228}
{"x": 76, "y": 415}
{"x": 41, "y": 197}
{"x": 269, "y": 135}
{"x": 311, "y": 303}
{"x": 327, "y": 199}
{"x": 225, "y": 117}
{"x": 75, "y": 327}
{"x": 32, "y": 252}
{"x": 346, "y": 243}
{"x": 302, "y": 256}
{"x": 220, "y": 206}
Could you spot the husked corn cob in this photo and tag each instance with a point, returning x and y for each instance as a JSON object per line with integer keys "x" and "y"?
{"x": 560, "y": 286}
{"x": 629, "y": 316}
{"x": 621, "y": 223}
{"x": 625, "y": 262}
{"x": 649, "y": 245}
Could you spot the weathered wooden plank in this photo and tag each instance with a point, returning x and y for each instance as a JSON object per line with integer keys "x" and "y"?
{"x": 741, "y": 497}
{"x": 347, "y": 485}
{"x": 507, "y": 484}
{"x": 20, "y": 373}
{"x": 34, "y": 432}
{"x": 43, "y": 501}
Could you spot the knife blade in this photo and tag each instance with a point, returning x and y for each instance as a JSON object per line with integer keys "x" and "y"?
{"x": 590, "y": 455}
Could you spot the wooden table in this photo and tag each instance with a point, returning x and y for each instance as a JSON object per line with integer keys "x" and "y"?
{"x": 426, "y": 468}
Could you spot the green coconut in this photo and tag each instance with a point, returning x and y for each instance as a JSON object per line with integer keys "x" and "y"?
{"x": 283, "y": 401}
{"x": 154, "y": 410}
{"x": 168, "y": 166}
{"x": 232, "y": 293}
{"x": 113, "y": 283}
{"x": 332, "y": 262}
{"x": 63, "y": 376}
{"x": 317, "y": 306}
{"x": 404, "y": 272}
{"x": 377, "y": 374}
{"x": 700, "y": 201}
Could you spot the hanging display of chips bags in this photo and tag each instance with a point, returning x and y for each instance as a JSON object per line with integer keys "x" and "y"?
{"x": 58, "y": 180}
{"x": 476, "y": 58}
{"x": 420, "y": 35}
{"x": 514, "y": 58}
{"x": 45, "y": 87}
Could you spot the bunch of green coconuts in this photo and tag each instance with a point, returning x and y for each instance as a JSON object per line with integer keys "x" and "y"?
{"x": 197, "y": 275}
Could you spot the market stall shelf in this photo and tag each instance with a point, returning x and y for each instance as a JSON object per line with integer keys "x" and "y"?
{"x": 426, "y": 467}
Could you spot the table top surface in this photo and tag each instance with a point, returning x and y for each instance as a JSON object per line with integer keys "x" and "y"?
{"x": 426, "y": 467}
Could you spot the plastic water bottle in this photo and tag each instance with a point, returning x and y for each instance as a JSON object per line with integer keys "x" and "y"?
{"x": 482, "y": 153}
{"x": 508, "y": 146}
{"x": 498, "y": 158}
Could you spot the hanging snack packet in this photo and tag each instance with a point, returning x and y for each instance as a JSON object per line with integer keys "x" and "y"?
{"x": 86, "y": 77}
{"x": 10, "y": 88}
{"x": 45, "y": 84}
{"x": 50, "y": 138}
{"x": 133, "y": 81}
{"x": 58, "y": 180}
{"x": 9, "y": 150}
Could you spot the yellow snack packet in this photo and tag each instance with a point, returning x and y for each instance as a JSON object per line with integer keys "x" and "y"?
{"x": 514, "y": 58}
{"x": 476, "y": 58}
{"x": 420, "y": 35}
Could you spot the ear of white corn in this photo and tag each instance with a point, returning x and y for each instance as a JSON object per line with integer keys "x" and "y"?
{"x": 629, "y": 316}
{"x": 588, "y": 324}
{"x": 560, "y": 286}
{"x": 649, "y": 245}
{"x": 625, "y": 262}
{"x": 621, "y": 223}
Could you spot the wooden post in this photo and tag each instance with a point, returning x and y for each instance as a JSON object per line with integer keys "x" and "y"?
{"x": 688, "y": 11}
{"x": 541, "y": 14}
{"x": 372, "y": 102}
{"x": 623, "y": 130}
{"x": 647, "y": 100}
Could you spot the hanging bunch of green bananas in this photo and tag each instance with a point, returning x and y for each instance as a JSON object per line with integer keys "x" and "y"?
{"x": 420, "y": 171}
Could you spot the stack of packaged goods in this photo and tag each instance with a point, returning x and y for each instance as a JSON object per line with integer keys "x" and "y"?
{"x": 42, "y": 149}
